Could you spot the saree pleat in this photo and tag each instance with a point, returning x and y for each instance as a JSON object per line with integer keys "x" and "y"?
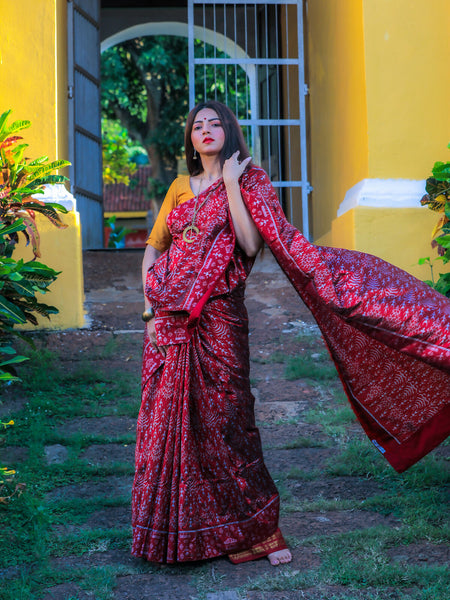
{"x": 201, "y": 488}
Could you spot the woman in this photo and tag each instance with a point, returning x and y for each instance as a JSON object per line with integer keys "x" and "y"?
{"x": 201, "y": 487}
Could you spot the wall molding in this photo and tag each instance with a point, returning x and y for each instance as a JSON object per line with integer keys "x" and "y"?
{"x": 384, "y": 193}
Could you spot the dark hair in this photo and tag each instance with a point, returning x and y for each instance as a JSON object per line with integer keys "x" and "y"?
{"x": 234, "y": 138}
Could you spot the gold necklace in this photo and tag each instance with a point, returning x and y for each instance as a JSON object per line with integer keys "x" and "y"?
{"x": 190, "y": 232}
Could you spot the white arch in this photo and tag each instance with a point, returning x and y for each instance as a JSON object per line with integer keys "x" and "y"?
{"x": 181, "y": 30}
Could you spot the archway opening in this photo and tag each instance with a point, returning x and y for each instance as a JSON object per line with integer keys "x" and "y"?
{"x": 145, "y": 100}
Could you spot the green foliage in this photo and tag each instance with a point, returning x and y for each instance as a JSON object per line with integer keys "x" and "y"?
{"x": 144, "y": 87}
{"x": 145, "y": 90}
{"x": 310, "y": 368}
{"x": 20, "y": 281}
{"x": 117, "y": 165}
{"x": 437, "y": 198}
{"x": 156, "y": 188}
{"x": 20, "y": 179}
{"x": 8, "y": 359}
{"x": 117, "y": 234}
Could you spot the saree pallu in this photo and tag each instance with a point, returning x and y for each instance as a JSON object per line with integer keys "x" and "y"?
{"x": 387, "y": 332}
{"x": 201, "y": 488}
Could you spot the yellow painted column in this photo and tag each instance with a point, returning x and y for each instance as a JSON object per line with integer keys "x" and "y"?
{"x": 338, "y": 110}
{"x": 33, "y": 83}
{"x": 61, "y": 250}
{"x": 403, "y": 50}
{"x": 407, "y": 54}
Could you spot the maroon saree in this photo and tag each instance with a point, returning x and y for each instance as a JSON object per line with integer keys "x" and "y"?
{"x": 201, "y": 488}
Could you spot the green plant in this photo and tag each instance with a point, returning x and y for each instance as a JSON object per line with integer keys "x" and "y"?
{"x": 7, "y": 488}
{"x": 8, "y": 359}
{"x": 437, "y": 198}
{"x": 117, "y": 234}
{"x": 156, "y": 189}
{"x": 320, "y": 369}
{"x": 20, "y": 180}
{"x": 19, "y": 283}
{"x": 117, "y": 166}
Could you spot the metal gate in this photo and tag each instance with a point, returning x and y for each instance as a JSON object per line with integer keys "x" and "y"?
{"x": 85, "y": 144}
{"x": 249, "y": 55}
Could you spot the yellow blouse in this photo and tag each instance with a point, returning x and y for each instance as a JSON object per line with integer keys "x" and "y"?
{"x": 179, "y": 192}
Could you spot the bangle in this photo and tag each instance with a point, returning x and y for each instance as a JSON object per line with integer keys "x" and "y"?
{"x": 148, "y": 314}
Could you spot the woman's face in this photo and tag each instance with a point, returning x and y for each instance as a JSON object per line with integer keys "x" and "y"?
{"x": 207, "y": 135}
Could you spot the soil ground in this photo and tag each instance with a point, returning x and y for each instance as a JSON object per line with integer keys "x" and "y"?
{"x": 280, "y": 326}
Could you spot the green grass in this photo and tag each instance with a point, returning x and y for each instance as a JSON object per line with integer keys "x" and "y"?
{"x": 53, "y": 395}
{"x": 355, "y": 562}
{"x": 305, "y": 442}
{"x": 275, "y": 357}
{"x": 306, "y": 367}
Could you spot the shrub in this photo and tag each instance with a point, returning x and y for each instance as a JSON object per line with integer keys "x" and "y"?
{"x": 20, "y": 180}
{"x": 437, "y": 198}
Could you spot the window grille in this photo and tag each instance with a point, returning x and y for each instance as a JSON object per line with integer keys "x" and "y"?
{"x": 249, "y": 55}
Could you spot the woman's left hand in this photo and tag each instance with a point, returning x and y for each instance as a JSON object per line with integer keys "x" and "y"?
{"x": 233, "y": 169}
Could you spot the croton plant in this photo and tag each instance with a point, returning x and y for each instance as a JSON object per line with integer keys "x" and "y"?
{"x": 21, "y": 180}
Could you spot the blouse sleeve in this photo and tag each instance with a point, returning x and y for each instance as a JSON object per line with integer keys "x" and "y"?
{"x": 160, "y": 237}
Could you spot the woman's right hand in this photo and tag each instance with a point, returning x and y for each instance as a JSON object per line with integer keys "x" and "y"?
{"x": 151, "y": 331}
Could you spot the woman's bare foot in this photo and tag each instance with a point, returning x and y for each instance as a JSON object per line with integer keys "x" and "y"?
{"x": 280, "y": 557}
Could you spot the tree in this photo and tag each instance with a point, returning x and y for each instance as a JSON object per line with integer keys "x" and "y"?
{"x": 145, "y": 90}
{"x": 144, "y": 87}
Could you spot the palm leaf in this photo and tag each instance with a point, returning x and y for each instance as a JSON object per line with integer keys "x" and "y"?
{"x": 59, "y": 207}
{"x": 53, "y": 217}
{"x": 31, "y": 318}
{"x": 8, "y": 377}
{"x": 438, "y": 226}
{"x": 21, "y": 193}
{"x": 434, "y": 202}
{"x": 435, "y": 187}
{"x": 31, "y": 304}
{"x": 50, "y": 179}
{"x": 4, "y": 192}
{"x": 37, "y": 162}
{"x": 46, "y": 309}
{"x": 32, "y": 234}
{"x": 35, "y": 271}
{"x": 7, "y": 350}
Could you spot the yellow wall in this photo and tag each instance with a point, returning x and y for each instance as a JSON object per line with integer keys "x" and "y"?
{"x": 33, "y": 83}
{"x": 400, "y": 236}
{"x": 33, "y": 74}
{"x": 338, "y": 111}
{"x": 407, "y": 54}
{"x": 379, "y": 109}
{"x": 61, "y": 250}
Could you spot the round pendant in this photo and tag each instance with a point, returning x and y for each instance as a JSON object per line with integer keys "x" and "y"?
{"x": 190, "y": 233}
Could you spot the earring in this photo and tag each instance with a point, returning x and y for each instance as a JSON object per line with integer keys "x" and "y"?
{"x": 195, "y": 153}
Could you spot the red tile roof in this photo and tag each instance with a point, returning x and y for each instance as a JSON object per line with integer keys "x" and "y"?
{"x": 118, "y": 197}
